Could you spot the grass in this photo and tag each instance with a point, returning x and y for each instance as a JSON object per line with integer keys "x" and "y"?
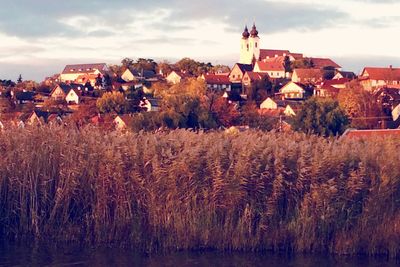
{"x": 185, "y": 190}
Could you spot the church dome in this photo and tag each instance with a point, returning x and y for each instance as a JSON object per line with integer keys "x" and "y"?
{"x": 254, "y": 32}
{"x": 246, "y": 33}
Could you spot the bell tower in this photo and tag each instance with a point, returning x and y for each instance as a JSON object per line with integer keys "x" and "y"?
{"x": 250, "y": 46}
{"x": 244, "y": 47}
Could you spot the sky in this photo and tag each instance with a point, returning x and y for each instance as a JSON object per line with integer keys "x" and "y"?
{"x": 39, "y": 37}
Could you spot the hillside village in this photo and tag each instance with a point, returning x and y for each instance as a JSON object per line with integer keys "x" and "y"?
{"x": 264, "y": 89}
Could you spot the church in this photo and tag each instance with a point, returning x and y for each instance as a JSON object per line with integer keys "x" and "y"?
{"x": 270, "y": 61}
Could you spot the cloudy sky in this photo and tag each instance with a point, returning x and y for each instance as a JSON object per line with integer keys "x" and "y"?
{"x": 38, "y": 37}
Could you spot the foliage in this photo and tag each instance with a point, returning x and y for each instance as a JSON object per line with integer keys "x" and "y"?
{"x": 185, "y": 190}
{"x": 322, "y": 117}
{"x": 287, "y": 64}
{"x": 252, "y": 118}
{"x": 111, "y": 102}
{"x": 193, "y": 67}
{"x": 360, "y": 105}
{"x": 85, "y": 113}
{"x": 304, "y": 63}
{"x": 260, "y": 90}
{"x": 226, "y": 112}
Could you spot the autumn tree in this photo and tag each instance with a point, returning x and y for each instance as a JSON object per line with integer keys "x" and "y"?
{"x": 226, "y": 112}
{"x": 111, "y": 102}
{"x": 85, "y": 113}
{"x": 322, "y": 117}
{"x": 185, "y": 105}
{"x": 251, "y": 117}
{"x": 360, "y": 105}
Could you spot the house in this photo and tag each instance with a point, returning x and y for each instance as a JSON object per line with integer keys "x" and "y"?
{"x": 69, "y": 92}
{"x": 266, "y": 54}
{"x": 130, "y": 75}
{"x": 269, "y": 104}
{"x": 294, "y": 91}
{"x": 122, "y": 122}
{"x": 251, "y": 77}
{"x": 312, "y": 76}
{"x": 388, "y": 99}
{"x": 23, "y": 97}
{"x": 238, "y": 71}
{"x": 149, "y": 104}
{"x": 274, "y": 68}
{"x": 218, "y": 82}
{"x": 176, "y": 77}
{"x": 289, "y": 111}
{"x": 372, "y": 78}
{"x": 36, "y": 117}
{"x": 344, "y": 74}
{"x": 371, "y": 134}
{"x": 337, "y": 83}
{"x": 326, "y": 91}
{"x": 72, "y": 72}
{"x": 84, "y": 78}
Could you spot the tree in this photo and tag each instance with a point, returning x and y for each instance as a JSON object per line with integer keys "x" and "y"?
{"x": 111, "y": 102}
{"x": 145, "y": 64}
{"x": 328, "y": 72}
{"x": 99, "y": 81}
{"x": 84, "y": 113}
{"x": 251, "y": 117}
{"x": 127, "y": 62}
{"x": 225, "y": 112}
{"x": 360, "y": 105}
{"x": 164, "y": 67}
{"x": 321, "y": 117}
{"x": 259, "y": 90}
{"x": 185, "y": 105}
{"x": 19, "y": 79}
{"x": 287, "y": 64}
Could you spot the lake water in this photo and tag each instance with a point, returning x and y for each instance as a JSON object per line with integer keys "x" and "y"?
{"x": 22, "y": 256}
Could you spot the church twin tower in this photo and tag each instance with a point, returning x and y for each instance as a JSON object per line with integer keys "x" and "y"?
{"x": 250, "y": 46}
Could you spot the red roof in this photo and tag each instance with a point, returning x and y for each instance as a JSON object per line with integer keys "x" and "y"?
{"x": 385, "y": 74}
{"x": 309, "y": 74}
{"x": 362, "y": 134}
{"x": 271, "y": 53}
{"x": 273, "y": 65}
{"x": 336, "y": 81}
{"x": 256, "y": 76}
{"x": 324, "y": 62}
{"x": 217, "y": 78}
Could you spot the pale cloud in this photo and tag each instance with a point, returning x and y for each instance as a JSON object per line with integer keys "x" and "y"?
{"x": 59, "y": 32}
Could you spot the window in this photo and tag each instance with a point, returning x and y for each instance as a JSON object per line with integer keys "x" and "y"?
{"x": 247, "y": 47}
{"x": 256, "y": 44}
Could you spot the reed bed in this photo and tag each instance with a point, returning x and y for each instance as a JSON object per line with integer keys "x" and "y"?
{"x": 192, "y": 190}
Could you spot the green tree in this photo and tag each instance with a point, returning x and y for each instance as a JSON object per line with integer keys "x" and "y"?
{"x": 19, "y": 79}
{"x": 111, "y": 102}
{"x": 321, "y": 117}
{"x": 287, "y": 64}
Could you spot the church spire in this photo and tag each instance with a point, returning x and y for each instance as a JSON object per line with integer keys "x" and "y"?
{"x": 246, "y": 33}
{"x": 254, "y": 32}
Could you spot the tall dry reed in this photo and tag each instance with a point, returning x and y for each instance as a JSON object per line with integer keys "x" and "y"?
{"x": 187, "y": 190}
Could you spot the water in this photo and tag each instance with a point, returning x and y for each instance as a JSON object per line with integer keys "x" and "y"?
{"x": 73, "y": 256}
